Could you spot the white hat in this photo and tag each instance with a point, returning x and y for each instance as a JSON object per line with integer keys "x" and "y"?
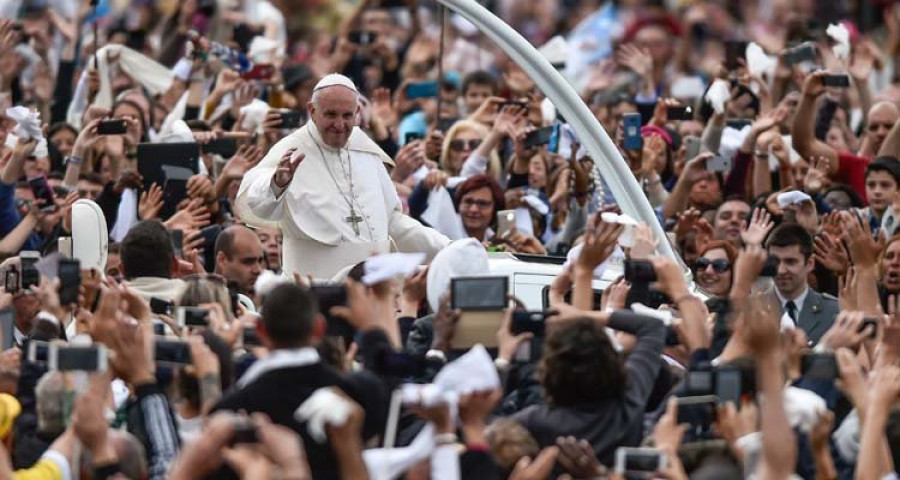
{"x": 335, "y": 79}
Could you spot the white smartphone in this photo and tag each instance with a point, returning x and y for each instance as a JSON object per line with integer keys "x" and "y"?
{"x": 639, "y": 462}
{"x": 37, "y": 351}
{"x": 691, "y": 147}
{"x": 506, "y": 221}
{"x": 83, "y": 358}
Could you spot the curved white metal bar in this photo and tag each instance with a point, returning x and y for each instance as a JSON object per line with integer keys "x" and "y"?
{"x": 612, "y": 166}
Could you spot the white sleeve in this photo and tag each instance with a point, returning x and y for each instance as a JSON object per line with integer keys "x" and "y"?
{"x": 474, "y": 165}
{"x": 445, "y": 463}
{"x": 256, "y": 203}
{"x": 412, "y": 237}
{"x": 263, "y": 199}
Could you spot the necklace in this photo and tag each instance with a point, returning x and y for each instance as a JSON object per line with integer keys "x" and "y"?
{"x": 353, "y": 219}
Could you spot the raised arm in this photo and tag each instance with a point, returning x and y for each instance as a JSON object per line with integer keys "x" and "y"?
{"x": 803, "y": 132}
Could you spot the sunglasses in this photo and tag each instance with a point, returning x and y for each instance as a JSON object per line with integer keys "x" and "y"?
{"x": 460, "y": 145}
{"x": 720, "y": 265}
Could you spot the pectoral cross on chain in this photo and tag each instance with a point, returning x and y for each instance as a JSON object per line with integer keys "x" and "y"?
{"x": 354, "y": 219}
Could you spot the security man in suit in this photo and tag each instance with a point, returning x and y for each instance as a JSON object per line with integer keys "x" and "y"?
{"x": 809, "y": 310}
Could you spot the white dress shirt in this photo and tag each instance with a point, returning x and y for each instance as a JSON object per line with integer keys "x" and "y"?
{"x": 786, "y": 321}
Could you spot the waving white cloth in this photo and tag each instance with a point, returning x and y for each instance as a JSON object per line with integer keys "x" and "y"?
{"x": 391, "y": 265}
{"x": 323, "y": 407}
{"x": 28, "y": 122}
{"x": 153, "y": 76}
{"x": 442, "y": 216}
{"x": 718, "y": 94}
{"x": 838, "y": 32}
{"x": 758, "y": 62}
{"x": 472, "y": 372}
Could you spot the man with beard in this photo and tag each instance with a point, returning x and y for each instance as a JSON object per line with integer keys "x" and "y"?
{"x": 730, "y": 220}
{"x": 802, "y": 306}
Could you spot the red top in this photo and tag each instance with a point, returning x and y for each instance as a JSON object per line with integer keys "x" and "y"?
{"x": 852, "y": 172}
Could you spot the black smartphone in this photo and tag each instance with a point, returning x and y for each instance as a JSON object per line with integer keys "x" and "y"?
{"x": 361, "y": 37}
{"x": 540, "y": 136}
{"x": 192, "y": 316}
{"x": 251, "y": 337}
{"x": 734, "y": 50}
{"x": 177, "y": 241}
{"x": 399, "y": 364}
{"x": 699, "y": 382}
{"x": 159, "y": 306}
{"x": 83, "y": 358}
{"x": 805, "y": 52}
{"x": 820, "y": 366}
{"x": 69, "y": 271}
{"x": 329, "y": 296}
{"x": 244, "y": 431}
{"x": 679, "y": 113}
{"x": 226, "y": 147}
{"x": 699, "y": 413}
{"x": 8, "y": 327}
{"x": 639, "y": 271}
{"x": 479, "y": 293}
{"x": 840, "y": 80}
{"x": 429, "y": 89}
{"x": 171, "y": 352}
{"x": 412, "y": 137}
{"x": 291, "y": 119}
{"x": 112, "y": 127}
{"x": 36, "y": 351}
{"x": 11, "y": 280}
{"x": 30, "y": 274}
{"x": 159, "y": 329}
{"x": 728, "y": 386}
{"x": 42, "y": 191}
{"x": 524, "y": 322}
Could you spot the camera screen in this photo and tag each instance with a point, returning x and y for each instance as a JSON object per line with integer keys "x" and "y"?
{"x": 700, "y": 382}
{"x": 728, "y": 386}
{"x": 169, "y": 351}
{"x": 78, "y": 358}
{"x": 642, "y": 461}
{"x": 485, "y": 293}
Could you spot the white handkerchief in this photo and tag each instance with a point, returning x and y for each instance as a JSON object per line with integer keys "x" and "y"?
{"x": 28, "y": 122}
{"x": 617, "y": 256}
{"x": 718, "y": 94}
{"x": 626, "y": 238}
{"x": 321, "y": 408}
{"x": 641, "y": 309}
{"x": 758, "y": 62}
{"x": 536, "y": 203}
{"x": 803, "y": 408}
{"x": 389, "y": 265}
{"x": 442, "y": 216}
{"x": 792, "y": 197}
{"x": 523, "y": 222}
{"x": 427, "y": 395}
{"x": 838, "y": 32}
{"x": 420, "y": 174}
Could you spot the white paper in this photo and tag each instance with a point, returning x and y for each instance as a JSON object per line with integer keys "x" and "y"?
{"x": 523, "y": 222}
{"x": 536, "y": 203}
{"x": 664, "y": 315}
{"x": 323, "y": 407}
{"x": 803, "y": 408}
{"x": 758, "y": 62}
{"x": 442, "y": 216}
{"x": 420, "y": 174}
{"x": 390, "y": 265}
{"x": 718, "y": 93}
{"x": 28, "y": 122}
{"x": 792, "y": 197}
{"x": 838, "y": 32}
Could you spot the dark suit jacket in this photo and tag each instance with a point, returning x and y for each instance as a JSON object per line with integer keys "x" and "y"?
{"x": 818, "y": 314}
{"x": 278, "y": 393}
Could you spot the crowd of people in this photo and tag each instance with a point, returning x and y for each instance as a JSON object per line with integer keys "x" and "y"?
{"x": 296, "y": 193}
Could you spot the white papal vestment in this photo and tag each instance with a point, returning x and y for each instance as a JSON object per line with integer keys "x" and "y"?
{"x": 314, "y": 212}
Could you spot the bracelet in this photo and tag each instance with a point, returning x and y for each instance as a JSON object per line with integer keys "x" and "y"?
{"x": 445, "y": 439}
{"x": 73, "y": 160}
{"x": 501, "y": 363}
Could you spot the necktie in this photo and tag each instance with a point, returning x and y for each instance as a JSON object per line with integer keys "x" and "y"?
{"x": 791, "y": 308}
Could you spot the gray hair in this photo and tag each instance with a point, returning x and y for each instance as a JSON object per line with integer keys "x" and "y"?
{"x": 50, "y": 394}
{"x": 318, "y": 92}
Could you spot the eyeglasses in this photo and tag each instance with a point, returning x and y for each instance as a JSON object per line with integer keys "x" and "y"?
{"x": 720, "y": 265}
{"x": 483, "y": 204}
{"x": 460, "y": 145}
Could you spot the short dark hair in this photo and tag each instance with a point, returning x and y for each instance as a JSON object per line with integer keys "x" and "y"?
{"x": 289, "y": 313}
{"x": 479, "y": 77}
{"x": 790, "y": 234}
{"x": 580, "y": 365}
{"x": 147, "y": 251}
{"x": 92, "y": 177}
{"x": 889, "y": 165}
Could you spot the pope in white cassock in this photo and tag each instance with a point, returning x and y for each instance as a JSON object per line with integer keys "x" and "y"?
{"x": 325, "y": 185}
